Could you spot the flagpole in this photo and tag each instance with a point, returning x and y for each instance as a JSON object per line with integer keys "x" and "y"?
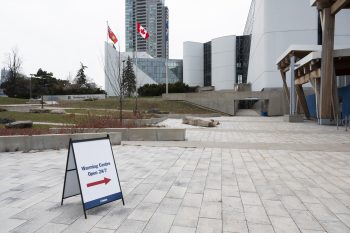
{"x": 166, "y": 58}
{"x": 106, "y": 52}
{"x": 121, "y": 90}
{"x": 136, "y": 63}
{"x": 107, "y": 32}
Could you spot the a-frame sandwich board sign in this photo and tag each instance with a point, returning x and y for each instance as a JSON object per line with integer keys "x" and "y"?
{"x": 91, "y": 172}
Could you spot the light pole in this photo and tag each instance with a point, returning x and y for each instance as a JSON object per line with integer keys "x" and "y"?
{"x": 42, "y": 96}
{"x": 30, "y": 86}
{"x": 166, "y": 77}
{"x": 121, "y": 92}
{"x": 123, "y": 74}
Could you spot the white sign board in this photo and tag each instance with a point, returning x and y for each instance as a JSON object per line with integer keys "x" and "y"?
{"x": 91, "y": 171}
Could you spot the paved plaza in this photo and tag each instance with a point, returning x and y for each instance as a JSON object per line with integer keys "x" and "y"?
{"x": 249, "y": 174}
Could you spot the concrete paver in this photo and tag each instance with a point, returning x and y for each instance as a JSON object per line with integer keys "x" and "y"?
{"x": 248, "y": 175}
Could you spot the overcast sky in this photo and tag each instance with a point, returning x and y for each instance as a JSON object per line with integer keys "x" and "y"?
{"x": 57, "y": 35}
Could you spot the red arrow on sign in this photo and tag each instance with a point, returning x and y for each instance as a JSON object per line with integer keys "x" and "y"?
{"x": 104, "y": 181}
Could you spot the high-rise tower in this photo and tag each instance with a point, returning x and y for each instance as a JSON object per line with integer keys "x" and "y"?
{"x": 154, "y": 16}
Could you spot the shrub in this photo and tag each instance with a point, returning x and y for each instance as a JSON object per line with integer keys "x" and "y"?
{"x": 159, "y": 89}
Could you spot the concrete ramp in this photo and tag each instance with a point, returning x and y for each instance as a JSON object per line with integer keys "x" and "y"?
{"x": 247, "y": 112}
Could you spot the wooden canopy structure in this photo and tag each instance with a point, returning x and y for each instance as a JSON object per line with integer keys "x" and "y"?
{"x": 307, "y": 69}
{"x": 287, "y": 62}
{"x": 334, "y": 5}
{"x": 328, "y": 96}
{"x": 325, "y": 87}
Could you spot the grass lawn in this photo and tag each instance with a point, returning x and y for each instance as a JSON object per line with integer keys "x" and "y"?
{"x": 7, "y": 100}
{"x": 144, "y": 104}
{"x": 82, "y": 121}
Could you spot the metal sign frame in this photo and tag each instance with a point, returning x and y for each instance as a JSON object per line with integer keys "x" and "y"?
{"x": 70, "y": 147}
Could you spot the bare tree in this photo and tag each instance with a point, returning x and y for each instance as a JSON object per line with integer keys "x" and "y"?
{"x": 15, "y": 84}
{"x": 113, "y": 74}
{"x": 14, "y": 64}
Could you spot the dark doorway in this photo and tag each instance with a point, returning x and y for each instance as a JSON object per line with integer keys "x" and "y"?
{"x": 246, "y": 104}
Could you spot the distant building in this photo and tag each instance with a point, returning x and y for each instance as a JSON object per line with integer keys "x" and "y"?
{"x": 152, "y": 15}
{"x": 221, "y": 62}
{"x": 3, "y": 78}
{"x": 150, "y": 70}
{"x": 4, "y": 75}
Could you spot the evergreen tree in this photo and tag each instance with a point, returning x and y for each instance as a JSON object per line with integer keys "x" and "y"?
{"x": 80, "y": 78}
{"x": 129, "y": 78}
{"x": 44, "y": 83}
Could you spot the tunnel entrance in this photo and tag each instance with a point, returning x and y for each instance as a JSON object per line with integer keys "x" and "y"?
{"x": 251, "y": 107}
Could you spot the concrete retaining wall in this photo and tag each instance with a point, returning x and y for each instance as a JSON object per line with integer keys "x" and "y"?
{"x": 49, "y": 141}
{"x": 224, "y": 101}
{"x": 143, "y": 122}
{"x": 136, "y": 134}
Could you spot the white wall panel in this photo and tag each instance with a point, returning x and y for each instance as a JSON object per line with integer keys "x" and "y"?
{"x": 193, "y": 63}
{"x": 223, "y": 62}
{"x": 111, "y": 70}
{"x": 342, "y": 29}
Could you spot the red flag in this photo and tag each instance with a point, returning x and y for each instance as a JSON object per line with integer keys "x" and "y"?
{"x": 142, "y": 31}
{"x": 112, "y": 36}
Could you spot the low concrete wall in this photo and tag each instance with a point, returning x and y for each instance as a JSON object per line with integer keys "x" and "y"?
{"x": 224, "y": 101}
{"x": 180, "y": 116}
{"x": 49, "y": 141}
{"x": 20, "y": 107}
{"x": 143, "y": 122}
{"x": 135, "y": 134}
{"x": 74, "y": 97}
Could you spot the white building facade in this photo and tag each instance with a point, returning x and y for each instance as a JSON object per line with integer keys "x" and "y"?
{"x": 274, "y": 26}
{"x": 211, "y": 64}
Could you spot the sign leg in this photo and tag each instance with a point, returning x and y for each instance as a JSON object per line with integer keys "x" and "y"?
{"x": 65, "y": 174}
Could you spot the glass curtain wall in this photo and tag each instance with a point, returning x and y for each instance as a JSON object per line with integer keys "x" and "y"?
{"x": 242, "y": 58}
{"x": 207, "y": 64}
{"x": 155, "y": 69}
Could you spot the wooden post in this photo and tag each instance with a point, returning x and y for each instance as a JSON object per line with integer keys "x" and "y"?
{"x": 327, "y": 67}
{"x": 318, "y": 91}
{"x": 302, "y": 100}
{"x": 285, "y": 87}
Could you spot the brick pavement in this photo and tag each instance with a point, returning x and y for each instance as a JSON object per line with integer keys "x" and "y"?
{"x": 196, "y": 188}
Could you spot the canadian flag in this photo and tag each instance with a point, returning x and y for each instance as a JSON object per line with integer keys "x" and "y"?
{"x": 142, "y": 31}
